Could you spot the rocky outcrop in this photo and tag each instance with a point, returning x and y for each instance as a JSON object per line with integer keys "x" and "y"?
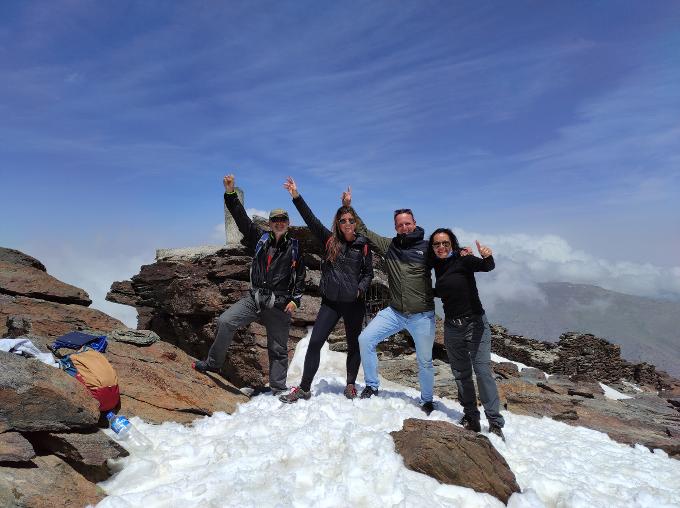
{"x": 53, "y": 307}
{"x": 15, "y": 448}
{"x": 51, "y": 446}
{"x": 16, "y": 257}
{"x": 455, "y": 456}
{"x": 33, "y": 283}
{"x": 580, "y": 354}
{"x": 180, "y": 297}
{"x": 35, "y": 396}
{"x": 46, "y": 482}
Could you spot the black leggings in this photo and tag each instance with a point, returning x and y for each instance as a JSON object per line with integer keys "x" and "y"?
{"x": 329, "y": 314}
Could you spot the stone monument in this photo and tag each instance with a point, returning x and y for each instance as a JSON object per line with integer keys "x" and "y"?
{"x": 233, "y": 235}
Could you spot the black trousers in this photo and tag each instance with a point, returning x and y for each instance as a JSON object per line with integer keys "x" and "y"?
{"x": 329, "y": 314}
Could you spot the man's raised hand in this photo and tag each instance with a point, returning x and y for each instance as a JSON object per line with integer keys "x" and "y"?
{"x": 347, "y": 196}
{"x": 229, "y": 183}
{"x": 484, "y": 251}
{"x": 291, "y": 187}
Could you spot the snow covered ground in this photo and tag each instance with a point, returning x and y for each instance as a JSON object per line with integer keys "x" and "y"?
{"x": 333, "y": 452}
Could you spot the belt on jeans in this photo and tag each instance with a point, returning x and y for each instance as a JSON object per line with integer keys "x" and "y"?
{"x": 460, "y": 321}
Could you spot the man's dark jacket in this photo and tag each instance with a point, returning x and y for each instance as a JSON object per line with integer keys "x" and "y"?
{"x": 279, "y": 275}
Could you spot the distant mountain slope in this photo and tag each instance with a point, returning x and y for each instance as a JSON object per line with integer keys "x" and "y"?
{"x": 646, "y": 329}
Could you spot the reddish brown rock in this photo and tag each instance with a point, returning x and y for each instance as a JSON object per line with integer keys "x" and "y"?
{"x": 455, "y": 456}
{"x": 34, "y": 283}
{"x": 53, "y": 319}
{"x": 35, "y": 396}
{"x": 15, "y": 448}
{"x": 87, "y": 453}
{"x": 157, "y": 383}
{"x": 49, "y": 482}
{"x": 16, "y": 257}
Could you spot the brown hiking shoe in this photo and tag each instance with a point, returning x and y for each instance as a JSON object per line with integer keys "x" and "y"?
{"x": 350, "y": 392}
{"x": 294, "y": 395}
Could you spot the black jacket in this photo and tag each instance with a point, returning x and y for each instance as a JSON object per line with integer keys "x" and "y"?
{"x": 279, "y": 275}
{"x": 456, "y": 284}
{"x": 352, "y": 270}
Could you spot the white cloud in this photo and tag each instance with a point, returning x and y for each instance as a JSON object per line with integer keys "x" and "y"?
{"x": 254, "y": 211}
{"x": 523, "y": 261}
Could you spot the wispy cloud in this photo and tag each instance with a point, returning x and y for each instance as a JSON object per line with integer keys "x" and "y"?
{"x": 523, "y": 261}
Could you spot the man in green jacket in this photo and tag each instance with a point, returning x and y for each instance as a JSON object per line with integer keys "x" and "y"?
{"x": 411, "y": 301}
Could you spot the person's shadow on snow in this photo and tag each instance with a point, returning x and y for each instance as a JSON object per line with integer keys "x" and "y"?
{"x": 323, "y": 387}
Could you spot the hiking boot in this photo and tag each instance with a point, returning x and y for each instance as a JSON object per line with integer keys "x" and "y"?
{"x": 277, "y": 391}
{"x": 368, "y": 392}
{"x": 203, "y": 367}
{"x": 470, "y": 423}
{"x": 495, "y": 429}
{"x": 350, "y": 392}
{"x": 295, "y": 394}
{"x": 428, "y": 407}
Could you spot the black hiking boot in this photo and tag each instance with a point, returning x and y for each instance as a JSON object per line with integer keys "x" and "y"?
{"x": 203, "y": 367}
{"x": 428, "y": 407}
{"x": 350, "y": 392}
{"x": 470, "y": 423}
{"x": 294, "y": 395}
{"x": 368, "y": 392}
{"x": 495, "y": 429}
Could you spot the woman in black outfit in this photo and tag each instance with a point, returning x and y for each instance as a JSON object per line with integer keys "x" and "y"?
{"x": 467, "y": 335}
{"x": 346, "y": 273}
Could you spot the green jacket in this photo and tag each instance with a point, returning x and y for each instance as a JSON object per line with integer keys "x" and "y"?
{"x": 408, "y": 272}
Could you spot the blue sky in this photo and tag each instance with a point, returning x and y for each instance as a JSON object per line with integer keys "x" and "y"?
{"x": 539, "y": 119}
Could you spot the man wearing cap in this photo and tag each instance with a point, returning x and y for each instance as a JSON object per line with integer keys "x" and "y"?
{"x": 277, "y": 278}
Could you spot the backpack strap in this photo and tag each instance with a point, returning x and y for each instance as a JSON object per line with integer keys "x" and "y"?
{"x": 260, "y": 243}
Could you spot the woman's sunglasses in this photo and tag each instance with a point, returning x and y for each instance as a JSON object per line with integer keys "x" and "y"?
{"x": 343, "y": 221}
{"x": 445, "y": 243}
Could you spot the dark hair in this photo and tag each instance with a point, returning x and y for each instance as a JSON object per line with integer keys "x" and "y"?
{"x": 455, "y": 247}
{"x": 399, "y": 211}
{"x": 334, "y": 243}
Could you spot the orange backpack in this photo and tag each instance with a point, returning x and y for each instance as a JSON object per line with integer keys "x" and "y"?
{"x": 91, "y": 368}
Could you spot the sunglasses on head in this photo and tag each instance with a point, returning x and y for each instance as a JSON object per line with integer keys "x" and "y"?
{"x": 445, "y": 243}
{"x": 343, "y": 221}
{"x": 278, "y": 219}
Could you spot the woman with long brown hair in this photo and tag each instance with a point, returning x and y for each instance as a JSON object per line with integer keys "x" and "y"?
{"x": 346, "y": 273}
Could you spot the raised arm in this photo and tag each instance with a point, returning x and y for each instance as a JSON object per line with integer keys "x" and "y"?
{"x": 315, "y": 226}
{"x": 378, "y": 243}
{"x": 485, "y": 264}
{"x": 246, "y": 226}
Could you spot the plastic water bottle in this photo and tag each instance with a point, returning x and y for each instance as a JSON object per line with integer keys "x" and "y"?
{"x": 126, "y": 432}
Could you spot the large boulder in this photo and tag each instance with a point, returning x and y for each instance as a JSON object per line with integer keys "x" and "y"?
{"x": 86, "y": 452}
{"x": 180, "y": 299}
{"x": 16, "y": 257}
{"x": 18, "y": 279}
{"x": 53, "y": 319}
{"x": 47, "y": 483}
{"x": 15, "y": 448}
{"x": 455, "y": 456}
{"x": 35, "y": 396}
{"x": 157, "y": 383}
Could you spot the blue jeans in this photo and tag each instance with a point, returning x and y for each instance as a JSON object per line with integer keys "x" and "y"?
{"x": 388, "y": 322}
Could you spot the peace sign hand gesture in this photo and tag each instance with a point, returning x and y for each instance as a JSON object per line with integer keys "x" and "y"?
{"x": 347, "y": 196}
{"x": 484, "y": 251}
{"x": 291, "y": 187}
